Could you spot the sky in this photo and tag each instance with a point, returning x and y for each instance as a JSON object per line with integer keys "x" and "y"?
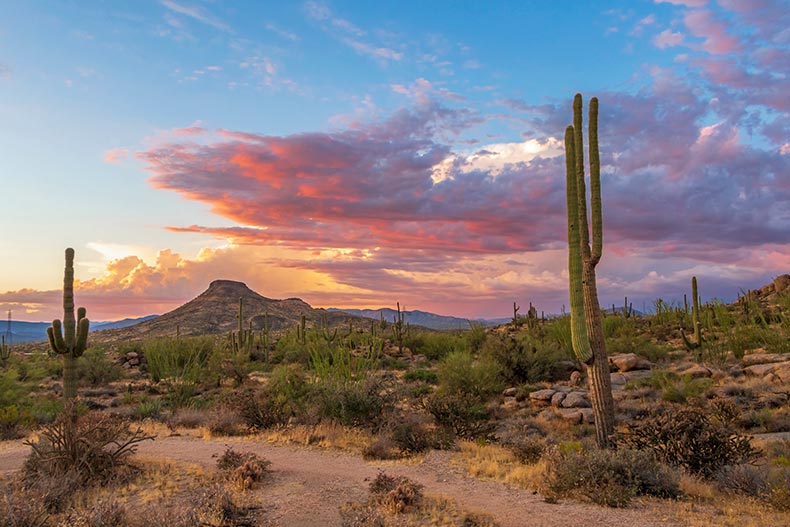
{"x": 359, "y": 154}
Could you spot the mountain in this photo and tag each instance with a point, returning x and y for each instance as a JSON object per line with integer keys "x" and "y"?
{"x": 216, "y": 311}
{"x": 419, "y": 318}
{"x": 37, "y": 331}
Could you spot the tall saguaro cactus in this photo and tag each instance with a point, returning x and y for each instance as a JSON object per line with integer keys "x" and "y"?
{"x": 69, "y": 338}
{"x": 586, "y": 326}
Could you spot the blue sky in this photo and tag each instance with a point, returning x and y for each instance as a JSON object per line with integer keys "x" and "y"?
{"x": 162, "y": 141}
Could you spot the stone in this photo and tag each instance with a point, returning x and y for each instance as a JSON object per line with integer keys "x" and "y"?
{"x": 542, "y": 396}
{"x": 763, "y": 358}
{"x": 781, "y": 282}
{"x": 587, "y": 415}
{"x": 511, "y": 404}
{"x": 698, "y": 372}
{"x": 576, "y": 378}
{"x": 629, "y": 361}
{"x": 510, "y": 392}
{"x": 761, "y": 370}
{"x": 573, "y": 415}
{"x": 576, "y": 400}
{"x": 134, "y": 362}
{"x": 557, "y": 398}
{"x": 132, "y": 355}
{"x": 618, "y": 379}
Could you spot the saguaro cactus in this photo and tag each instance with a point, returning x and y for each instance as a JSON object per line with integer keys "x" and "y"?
{"x": 586, "y": 327}
{"x": 694, "y": 319}
{"x": 69, "y": 338}
{"x": 5, "y": 352}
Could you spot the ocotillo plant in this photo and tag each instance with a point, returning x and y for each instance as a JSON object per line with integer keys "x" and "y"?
{"x": 586, "y": 326}
{"x": 5, "y": 352}
{"x": 691, "y": 346}
{"x": 69, "y": 338}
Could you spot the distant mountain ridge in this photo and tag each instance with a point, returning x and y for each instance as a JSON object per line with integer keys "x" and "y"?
{"x": 22, "y": 331}
{"x": 421, "y": 318}
{"x": 215, "y": 311}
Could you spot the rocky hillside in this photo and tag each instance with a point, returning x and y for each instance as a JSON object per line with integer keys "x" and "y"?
{"x": 216, "y": 310}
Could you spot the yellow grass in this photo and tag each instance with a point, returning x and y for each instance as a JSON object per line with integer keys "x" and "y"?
{"x": 496, "y": 462}
{"x": 323, "y": 435}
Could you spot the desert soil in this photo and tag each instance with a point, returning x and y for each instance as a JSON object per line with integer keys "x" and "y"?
{"x": 308, "y": 485}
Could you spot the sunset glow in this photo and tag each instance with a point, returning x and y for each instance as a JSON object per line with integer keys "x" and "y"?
{"x": 358, "y": 155}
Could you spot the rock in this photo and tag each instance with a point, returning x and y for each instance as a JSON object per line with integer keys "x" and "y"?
{"x": 126, "y": 366}
{"x": 132, "y": 355}
{"x": 576, "y": 378}
{"x": 116, "y": 402}
{"x": 629, "y": 361}
{"x": 781, "y": 282}
{"x": 698, "y": 372}
{"x": 587, "y": 415}
{"x": 781, "y": 369}
{"x": 563, "y": 369}
{"x": 510, "y": 392}
{"x": 557, "y": 398}
{"x": 542, "y": 396}
{"x": 134, "y": 362}
{"x": 511, "y": 404}
{"x": 576, "y": 400}
{"x": 574, "y": 415}
{"x": 763, "y": 358}
{"x": 618, "y": 379}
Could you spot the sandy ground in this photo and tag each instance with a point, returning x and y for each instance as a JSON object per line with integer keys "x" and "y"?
{"x": 308, "y": 486}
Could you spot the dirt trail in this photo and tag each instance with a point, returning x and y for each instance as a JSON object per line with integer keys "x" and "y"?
{"x": 309, "y": 485}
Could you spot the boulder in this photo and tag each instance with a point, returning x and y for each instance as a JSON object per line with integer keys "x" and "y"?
{"x": 576, "y": 400}
{"x": 573, "y": 415}
{"x": 510, "y": 392}
{"x": 763, "y": 358}
{"x": 576, "y": 378}
{"x": 781, "y": 282}
{"x": 698, "y": 371}
{"x": 587, "y": 415}
{"x": 557, "y": 398}
{"x": 542, "y": 396}
{"x": 629, "y": 361}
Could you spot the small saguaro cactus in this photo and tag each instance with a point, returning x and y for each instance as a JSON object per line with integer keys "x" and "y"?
{"x": 516, "y": 307}
{"x": 5, "y": 352}
{"x": 398, "y": 328}
{"x": 694, "y": 319}
{"x": 586, "y": 325}
{"x": 69, "y": 338}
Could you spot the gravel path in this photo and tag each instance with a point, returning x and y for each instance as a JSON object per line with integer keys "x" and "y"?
{"x": 309, "y": 485}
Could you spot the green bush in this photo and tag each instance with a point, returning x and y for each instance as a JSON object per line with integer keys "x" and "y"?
{"x": 96, "y": 369}
{"x": 459, "y": 373}
{"x": 693, "y": 438}
{"x": 426, "y": 376}
{"x": 436, "y": 345}
{"x": 178, "y": 358}
{"x": 527, "y": 359}
{"x": 460, "y": 415}
{"x": 607, "y": 477}
{"x": 354, "y": 403}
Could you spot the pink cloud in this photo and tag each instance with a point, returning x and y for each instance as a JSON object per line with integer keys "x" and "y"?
{"x": 702, "y": 23}
{"x": 116, "y": 155}
{"x": 668, "y": 39}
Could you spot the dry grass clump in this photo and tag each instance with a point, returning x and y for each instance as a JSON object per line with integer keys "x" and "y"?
{"x": 398, "y": 501}
{"x": 243, "y": 469}
{"x": 499, "y": 463}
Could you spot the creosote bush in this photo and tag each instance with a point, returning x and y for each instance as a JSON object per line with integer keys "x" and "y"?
{"x": 243, "y": 468}
{"x": 459, "y": 373}
{"x": 607, "y": 477}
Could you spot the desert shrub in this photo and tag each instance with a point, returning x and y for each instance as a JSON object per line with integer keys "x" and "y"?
{"x": 423, "y": 375}
{"x": 188, "y": 418}
{"x": 215, "y": 505}
{"x": 352, "y": 403}
{"x": 528, "y": 360}
{"x": 21, "y": 508}
{"x": 476, "y": 336}
{"x": 437, "y": 345}
{"x": 412, "y": 434}
{"x": 96, "y": 369}
{"x": 12, "y": 391}
{"x": 395, "y": 494}
{"x": 243, "y": 468}
{"x": 746, "y": 479}
{"x": 459, "y": 373}
{"x": 92, "y": 447}
{"x": 339, "y": 364}
{"x": 13, "y": 422}
{"x": 691, "y": 438}
{"x": 461, "y": 415}
{"x": 148, "y": 409}
{"x": 528, "y": 449}
{"x": 105, "y": 513}
{"x": 183, "y": 359}
{"x": 222, "y": 420}
{"x": 607, "y": 477}
{"x": 559, "y": 331}
{"x": 285, "y": 396}
{"x": 779, "y": 490}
